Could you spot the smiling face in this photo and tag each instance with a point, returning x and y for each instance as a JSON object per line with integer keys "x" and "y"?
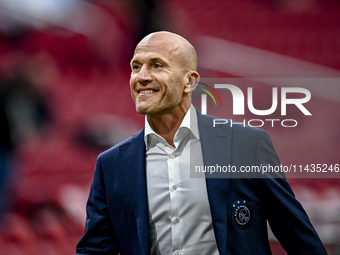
{"x": 161, "y": 71}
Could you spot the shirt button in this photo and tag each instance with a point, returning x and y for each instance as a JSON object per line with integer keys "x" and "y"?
{"x": 177, "y": 252}
{"x": 177, "y": 220}
{"x": 172, "y": 156}
{"x": 174, "y": 187}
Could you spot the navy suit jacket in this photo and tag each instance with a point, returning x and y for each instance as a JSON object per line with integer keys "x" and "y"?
{"x": 117, "y": 208}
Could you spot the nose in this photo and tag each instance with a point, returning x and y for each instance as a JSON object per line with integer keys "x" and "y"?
{"x": 144, "y": 75}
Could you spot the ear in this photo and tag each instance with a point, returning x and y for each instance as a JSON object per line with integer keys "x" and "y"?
{"x": 193, "y": 78}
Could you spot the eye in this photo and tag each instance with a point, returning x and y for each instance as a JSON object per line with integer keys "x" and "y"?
{"x": 135, "y": 67}
{"x": 157, "y": 65}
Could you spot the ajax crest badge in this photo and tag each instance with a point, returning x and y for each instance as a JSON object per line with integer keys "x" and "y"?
{"x": 240, "y": 213}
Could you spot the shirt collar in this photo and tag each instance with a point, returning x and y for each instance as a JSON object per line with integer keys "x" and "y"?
{"x": 189, "y": 122}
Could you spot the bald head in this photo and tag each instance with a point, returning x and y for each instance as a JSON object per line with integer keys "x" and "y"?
{"x": 177, "y": 46}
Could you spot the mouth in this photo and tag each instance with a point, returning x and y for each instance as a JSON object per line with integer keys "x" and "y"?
{"x": 147, "y": 91}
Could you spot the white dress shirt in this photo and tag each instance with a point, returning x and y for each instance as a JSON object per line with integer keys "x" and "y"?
{"x": 179, "y": 211}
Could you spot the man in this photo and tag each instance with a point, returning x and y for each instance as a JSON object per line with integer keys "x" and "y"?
{"x": 142, "y": 199}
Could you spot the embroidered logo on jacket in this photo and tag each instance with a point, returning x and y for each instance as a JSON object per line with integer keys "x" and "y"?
{"x": 240, "y": 213}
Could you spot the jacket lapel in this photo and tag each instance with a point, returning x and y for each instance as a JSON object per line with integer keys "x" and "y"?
{"x": 134, "y": 176}
{"x": 216, "y": 149}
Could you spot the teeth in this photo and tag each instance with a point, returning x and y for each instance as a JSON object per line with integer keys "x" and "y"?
{"x": 149, "y": 91}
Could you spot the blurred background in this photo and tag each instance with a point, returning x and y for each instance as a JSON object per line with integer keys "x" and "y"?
{"x": 64, "y": 73}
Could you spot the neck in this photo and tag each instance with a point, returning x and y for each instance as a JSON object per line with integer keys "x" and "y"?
{"x": 167, "y": 124}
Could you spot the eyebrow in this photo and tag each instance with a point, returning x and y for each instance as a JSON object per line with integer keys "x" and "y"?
{"x": 152, "y": 60}
{"x": 133, "y": 61}
{"x": 157, "y": 59}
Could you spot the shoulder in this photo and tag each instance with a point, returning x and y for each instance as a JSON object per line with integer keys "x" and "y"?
{"x": 133, "y": 141}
